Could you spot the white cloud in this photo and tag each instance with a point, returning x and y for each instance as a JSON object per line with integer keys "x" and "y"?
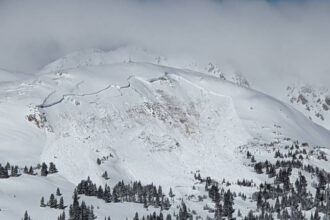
{"x": 255, "y": 37}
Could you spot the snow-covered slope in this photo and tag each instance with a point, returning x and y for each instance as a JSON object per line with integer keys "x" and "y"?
{"x": 314, "y": 102}
{"x": 143, "y": 120}
{"x": 95, "y": 57}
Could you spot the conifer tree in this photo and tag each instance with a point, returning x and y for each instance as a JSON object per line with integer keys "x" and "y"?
{"x": 52, "y": 168}
{"x": 3, "y": 172}
{"x": 58, "y": 192}
{"x": 316, "y": 215}
{"x": 91, "y": 215}
{"x": 44, "y": 170}
{"x": 218, "y": 214}
{"x": 31, "y": 171}
{"x": 62, "y": 216}
{"x": 61, "y": 203}
{"x": 42, "y": 202}
{"x": 136, "y": 217}
{"x": 26, "y": 170}
{"x": 14, "y": 171}
{"x": 26, "y": 216}
{"x": 52, "y": 201}
{"x": 228, "y": 204}
{"x": 170, "y": 194}
{"x": 105, "y": 175}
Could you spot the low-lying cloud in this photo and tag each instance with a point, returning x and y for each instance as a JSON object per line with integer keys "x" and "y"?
{"x": 258, "y": 38}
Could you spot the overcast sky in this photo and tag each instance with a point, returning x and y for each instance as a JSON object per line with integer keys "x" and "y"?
{"x": 257, "y": 37}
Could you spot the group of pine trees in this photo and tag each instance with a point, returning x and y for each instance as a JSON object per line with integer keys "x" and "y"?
{"x": 290, "y": 196}
{"x": 4, "y": 171}
{"x": 45, "y": 171}
{"x": 149, "y": 195}
{"x": 80, "y": 211}
{"x": 291, "y": 199}
{"x": 14, "y": 171}
{"x": 29, "y": 171}
{"x": 153, "y": 216}
{"x": 52, "y": 202}
{"x": 224, "y": 200}
{"x": 246, "y": 183}
{"x": 183, "y": 214}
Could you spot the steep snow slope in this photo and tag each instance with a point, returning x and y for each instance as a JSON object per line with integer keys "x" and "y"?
{"x": 128, "y": 111}
{"x": 314, "y": 102}
{"x": 144, "y": 121}
{"x": 144, "y": 116}
{"x": 309, "y": 98}
{"x": 257, "y": 109}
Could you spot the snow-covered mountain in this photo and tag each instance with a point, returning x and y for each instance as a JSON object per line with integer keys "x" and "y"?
{"x": 94, "y": 57}
{"x": 313, "y": 101}
{"x": 141, "y": 117}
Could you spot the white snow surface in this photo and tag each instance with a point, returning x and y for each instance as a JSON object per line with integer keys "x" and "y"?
{"x": 312, "y": 101}
{"x": 160, "y": 124}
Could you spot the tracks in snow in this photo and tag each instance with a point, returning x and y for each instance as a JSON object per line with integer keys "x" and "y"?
{"x": 119, "y": 87}
{"x": 45, "y": 105}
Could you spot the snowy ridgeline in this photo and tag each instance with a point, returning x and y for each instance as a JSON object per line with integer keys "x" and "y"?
{"x": 313, "y": 102}
{"x": 122, "y": 135}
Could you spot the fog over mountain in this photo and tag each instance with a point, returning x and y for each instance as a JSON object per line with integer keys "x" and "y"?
{"x": 258, "y": 38}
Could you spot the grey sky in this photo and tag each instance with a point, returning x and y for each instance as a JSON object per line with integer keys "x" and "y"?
{"x": 255, "y": 37}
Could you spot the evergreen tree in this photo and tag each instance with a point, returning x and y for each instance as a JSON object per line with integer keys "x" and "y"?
{"x": 61, "y": 203}
{"x": 42, "y": 202}
{"x": 214, "y": 193}
{"x": 52, "y": 201}
{"x": 183, "y": 212}
{"x": 166, "y": 204}
{"x": 105, "y": 175}
{"x": 62, "y": 216}
{"x": 52, "y": 168}
{"x": 26, "y": 170}
{"x": 31, "y": 171}
{"x": 14, "y": 171}
{"x": 316, "y": 215}
{"x": 228, "y": 204}
{"x": 44, "y": 170}
{"x": 3, "y": 172}
{"x": 170, "y": 194}
{"x": 26, "y": 216}
{"x": 259, "y": 200}
{"x": 239, "y": 214}
{"x": 84, "y": 212}
{"x": 218, "y": 214}
{"x": 145, "y": 204}
{"x": 91, "y": 215}
{"x": 74, "y": 211}
{"x": 58, "y": 192}
{"x": 136, "y": 217}
{"x": 106, "y": 194}
{"x": 277, "y": 206}
{"x": 7, "y": 166}
{"x": 258, "y": 168}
